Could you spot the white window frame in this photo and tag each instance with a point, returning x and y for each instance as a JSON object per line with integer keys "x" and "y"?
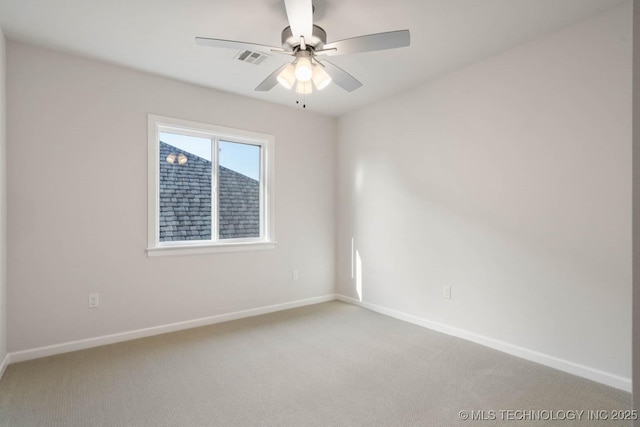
{"x": 266, "y": 240}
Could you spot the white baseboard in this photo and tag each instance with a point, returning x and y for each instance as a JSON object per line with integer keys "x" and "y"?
{"x": 534, "y": 356}
{"x": 524, "y": 353}
{"x": 3, "y": 365}
{"x": 35, "y": 353}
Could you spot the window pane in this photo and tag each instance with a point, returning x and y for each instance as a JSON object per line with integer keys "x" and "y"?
{"x": 185, "y": 188}
{"x": 239, "y": 194}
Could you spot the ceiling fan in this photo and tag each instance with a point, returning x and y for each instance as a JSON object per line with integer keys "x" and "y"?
{"x": 307, "y": 43}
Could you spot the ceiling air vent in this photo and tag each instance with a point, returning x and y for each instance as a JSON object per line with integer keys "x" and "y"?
{"x": 251, "y": 57}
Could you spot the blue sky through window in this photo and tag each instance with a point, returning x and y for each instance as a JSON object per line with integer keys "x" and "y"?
{"x": 242, "y": 158}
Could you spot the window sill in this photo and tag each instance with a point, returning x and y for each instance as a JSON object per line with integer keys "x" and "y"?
{"x": 209, "y": 249}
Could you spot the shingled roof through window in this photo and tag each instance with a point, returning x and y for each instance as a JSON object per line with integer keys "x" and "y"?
{"x": 185, "y": 200}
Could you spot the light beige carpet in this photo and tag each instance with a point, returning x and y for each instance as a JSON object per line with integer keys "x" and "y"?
{"x": 330, "y": 364}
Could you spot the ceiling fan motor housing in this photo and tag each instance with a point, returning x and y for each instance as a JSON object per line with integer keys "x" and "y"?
{"x": 292, "y": 43}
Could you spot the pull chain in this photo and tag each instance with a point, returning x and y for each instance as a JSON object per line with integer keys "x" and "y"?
{"x": 304, "y": 98}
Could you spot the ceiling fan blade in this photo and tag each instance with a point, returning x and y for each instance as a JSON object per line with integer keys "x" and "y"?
{"x": 234, "y": 44}
{"x": 369, "y": 43}
{"x": 340, "y": 77}
{"x": 271, "y": 81}
{"x": 300, "y": 15}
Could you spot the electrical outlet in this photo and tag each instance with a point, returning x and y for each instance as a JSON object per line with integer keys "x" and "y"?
{"x": 94, "y": 300}
{"x": 446, "y": 292}
{"x": 295, "y": 275}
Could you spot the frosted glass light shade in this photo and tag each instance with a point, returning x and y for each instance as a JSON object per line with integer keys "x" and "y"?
{"x": 320, "y": 77}
{"x": 304, "y": 88}
{"x": 182, "y": 159}
{"x": 287, "y": 77}
{"x": 303, "y": 69}
{"x": 171, "y": 158}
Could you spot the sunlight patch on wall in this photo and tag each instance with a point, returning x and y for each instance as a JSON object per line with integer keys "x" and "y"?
{"x": 352, "y": 258}
{"x": 359, "y": 177}
{"x": 359, "y": 275}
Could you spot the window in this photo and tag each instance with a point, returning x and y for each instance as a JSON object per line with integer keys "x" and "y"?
{"x": 209, "y": 188}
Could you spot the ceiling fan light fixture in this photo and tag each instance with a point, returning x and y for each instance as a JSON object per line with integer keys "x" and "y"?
{"x": 320, "y": 77}
{"x": 304, "y": 41}
{"x": 287, "y": 77}
{"x": 303, "y": 69}
{"x": 303, "y": 88}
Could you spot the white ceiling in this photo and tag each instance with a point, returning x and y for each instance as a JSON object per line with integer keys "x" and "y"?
{"x": 158, "y": 36}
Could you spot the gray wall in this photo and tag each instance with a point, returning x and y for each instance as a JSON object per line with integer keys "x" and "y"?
{"x": 3, "y": 206}
{"x": 78, "y": 203}
{"x": 636, "y": 206}
{"x": 510, "y": 181}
